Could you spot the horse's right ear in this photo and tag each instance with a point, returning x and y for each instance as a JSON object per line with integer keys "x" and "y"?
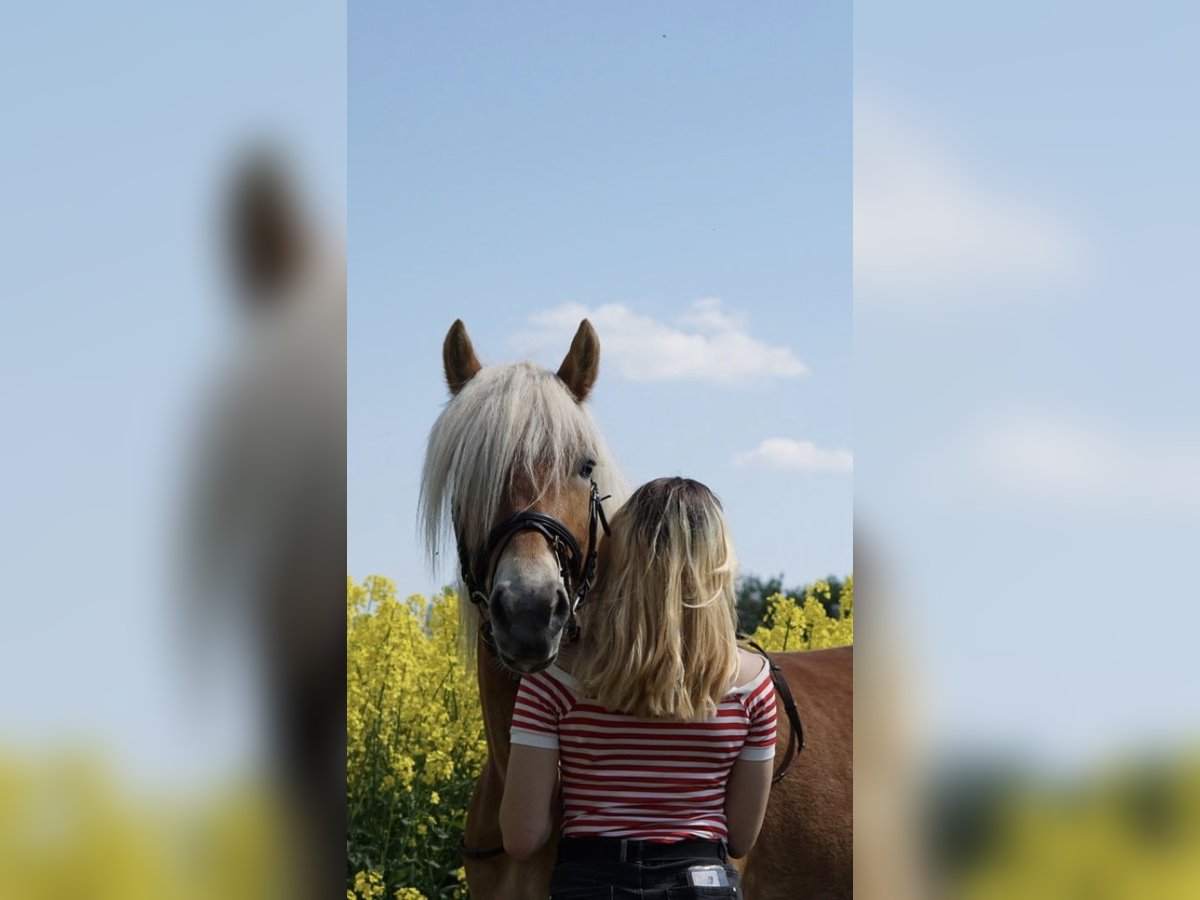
{"x": 458, "y": 357}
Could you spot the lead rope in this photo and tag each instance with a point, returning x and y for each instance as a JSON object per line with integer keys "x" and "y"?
{"x": 795, "y": 745}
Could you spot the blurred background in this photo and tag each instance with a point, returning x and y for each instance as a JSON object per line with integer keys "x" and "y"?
{"x": 172, "y": 538}
{"x": 1027, "y": 445}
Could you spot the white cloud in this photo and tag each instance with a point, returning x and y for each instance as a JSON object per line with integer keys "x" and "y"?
{"x": 928, "y": 228}
{"x": 795, "y": 456}
{"x": 708, "y": 343}
{"x": 709, "y": 315}
{"x": 1052, "y": 458}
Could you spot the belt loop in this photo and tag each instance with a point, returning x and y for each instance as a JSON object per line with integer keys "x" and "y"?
{"x": 724, "y": 851}
{"x": 624, "y": 848}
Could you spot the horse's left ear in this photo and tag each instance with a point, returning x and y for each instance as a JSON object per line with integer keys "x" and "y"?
{"x": 458, "y": 357}
{"x": 582, "y": 363}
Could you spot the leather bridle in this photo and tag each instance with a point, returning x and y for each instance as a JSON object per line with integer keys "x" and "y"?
{"x": 576, "y": 568}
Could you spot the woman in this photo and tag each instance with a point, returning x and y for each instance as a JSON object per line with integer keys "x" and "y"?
{"x": 663, "y": 730}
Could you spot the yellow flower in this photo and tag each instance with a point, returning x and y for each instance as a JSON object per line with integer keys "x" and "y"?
{"x": 369, "y": 885}
{"x": 414, "y": 732}
{"x": 803, "y": 625}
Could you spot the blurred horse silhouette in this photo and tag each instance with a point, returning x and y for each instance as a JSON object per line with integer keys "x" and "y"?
{"x": 266, "y": 525}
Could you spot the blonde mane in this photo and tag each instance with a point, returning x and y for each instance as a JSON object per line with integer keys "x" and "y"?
{"x": 509, "y": 422}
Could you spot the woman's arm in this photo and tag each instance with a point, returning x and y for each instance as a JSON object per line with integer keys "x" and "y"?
{"x": 530, "y": 792}
{"x": 746, "y": 802}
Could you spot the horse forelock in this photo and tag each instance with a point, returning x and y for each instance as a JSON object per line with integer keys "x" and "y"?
{"x": 515, "y": 423}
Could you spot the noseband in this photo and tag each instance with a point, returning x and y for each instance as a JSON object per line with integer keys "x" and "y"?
{"x": 576, "y": 569}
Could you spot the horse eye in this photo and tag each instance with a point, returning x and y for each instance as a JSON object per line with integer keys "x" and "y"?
{"x": 586, "y": 469}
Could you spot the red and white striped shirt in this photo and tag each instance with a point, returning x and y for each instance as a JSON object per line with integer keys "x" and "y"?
{"x": 640, "y": 778}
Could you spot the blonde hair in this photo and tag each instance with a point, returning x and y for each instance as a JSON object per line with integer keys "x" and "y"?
{"x": 658, "y": 635}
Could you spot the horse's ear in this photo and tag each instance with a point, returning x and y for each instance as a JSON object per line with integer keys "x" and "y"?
{"x": 582, "y": 363}
{"x": 458, "y": 357}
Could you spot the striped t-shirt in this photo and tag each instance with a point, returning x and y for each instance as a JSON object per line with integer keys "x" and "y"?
{"x": 640, "y": 778}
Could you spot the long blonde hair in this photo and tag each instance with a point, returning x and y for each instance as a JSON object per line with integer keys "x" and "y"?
{"x": 658, "y": 635}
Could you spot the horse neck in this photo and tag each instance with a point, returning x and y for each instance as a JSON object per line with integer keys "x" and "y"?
{"x": 497, "y": 697}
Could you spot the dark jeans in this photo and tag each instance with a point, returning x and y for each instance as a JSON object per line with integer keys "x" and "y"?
{"x": 613, "y": 869}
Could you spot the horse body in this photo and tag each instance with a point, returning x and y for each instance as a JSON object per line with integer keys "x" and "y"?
{"x": 805, "y": 848}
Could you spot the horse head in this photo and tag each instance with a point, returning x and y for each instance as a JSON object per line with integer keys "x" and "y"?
{"x": 515, "y": 469}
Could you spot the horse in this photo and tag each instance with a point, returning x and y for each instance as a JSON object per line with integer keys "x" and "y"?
{"x": 515, "y": 471}
{"x": 265, "y": 519}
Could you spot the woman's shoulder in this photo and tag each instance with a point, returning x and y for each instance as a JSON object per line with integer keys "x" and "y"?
{"x": 752, "y": 669}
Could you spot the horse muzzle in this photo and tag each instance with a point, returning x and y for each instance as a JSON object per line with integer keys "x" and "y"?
{"x": 527, "y": 627}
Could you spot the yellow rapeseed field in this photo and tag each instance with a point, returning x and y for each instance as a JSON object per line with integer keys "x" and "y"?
{"x": 71, "y": 827}
{"x": 801, "y": 623}
{"x": 415, "y": 733}
{"x": 414, "y": 743}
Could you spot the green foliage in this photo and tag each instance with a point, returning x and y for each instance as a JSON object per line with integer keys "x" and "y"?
{"x": 753, "y": 593}
{"x": 414, "y": 729}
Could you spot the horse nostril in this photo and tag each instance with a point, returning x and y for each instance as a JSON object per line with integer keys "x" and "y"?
{"x": 562, "y": 606}
{"x": 497, "y": 608}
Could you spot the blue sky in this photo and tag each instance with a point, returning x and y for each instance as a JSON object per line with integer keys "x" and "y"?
{"x": 1024, "y": 444}
{"x": 120, "y": 125}
{"x": 681, "y": 176}
{"x": 1025, "y": 367}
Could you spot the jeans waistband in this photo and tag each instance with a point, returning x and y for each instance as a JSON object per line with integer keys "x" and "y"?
{"x": 628, "y": 850}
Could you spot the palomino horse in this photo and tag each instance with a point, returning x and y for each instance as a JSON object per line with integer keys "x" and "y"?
{"x": 514, "y": 448}
{"x": 516, "y": 439}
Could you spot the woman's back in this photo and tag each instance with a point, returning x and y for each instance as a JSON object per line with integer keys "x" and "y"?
{"x": 645, "y": 778}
